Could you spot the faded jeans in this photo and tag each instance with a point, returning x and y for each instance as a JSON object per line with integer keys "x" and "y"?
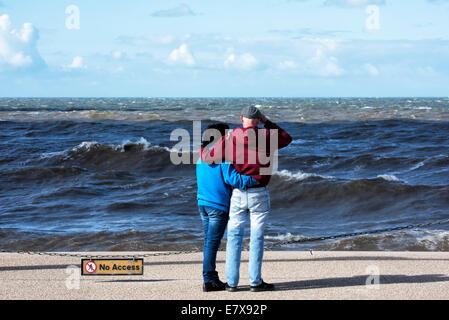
{"x": 255, "y": 204}
{"x": 214, "y": 224}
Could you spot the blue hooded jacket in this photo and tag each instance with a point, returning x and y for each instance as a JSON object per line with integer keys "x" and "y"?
{"x": 214, "y": 183}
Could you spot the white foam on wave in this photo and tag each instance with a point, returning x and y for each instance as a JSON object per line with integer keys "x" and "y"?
{"x": 433, "y": 239}
{"x": 142, "y": 141}
{"x": 284, "y": 237}
{"x": 419, "y": 165}
{"x": 88, "y": 146}
{"x": 408, "y": 240}
{"x": 430, "y": 240}
{"x": 48, "y": 155}
{"x": 388, "y": 177}
{"x": 146, "y": 145}
{"x": 300, "y": 176}
{"x": 264, "y": 107}
{"x": 85, "y": 145}
{"x": 298, "y": 141}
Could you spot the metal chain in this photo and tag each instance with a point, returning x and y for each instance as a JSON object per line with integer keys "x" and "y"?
{"x": 87, "y": 255}
{"x": 355, "y": 234}
{"x": 286, "y": 242}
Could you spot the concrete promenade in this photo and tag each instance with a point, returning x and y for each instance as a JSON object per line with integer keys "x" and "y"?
{"x": 297, "y": 275}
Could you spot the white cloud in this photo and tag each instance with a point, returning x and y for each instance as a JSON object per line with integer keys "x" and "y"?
{"x": 327, "y": 44}
{"x": 353, "y": 3}
{"x": 426, "y": 71}
{"x": 117, "y": 55}
{"x": 288, "y": 64}
{"x": 18, "y": 47}
{"x": 179, "y": 11}
{"x": 167, "y": 39}
{"x": 77, "y": 63}
{"x": 372, "y": 70}
{"x": 315, "y": 57}
{"x": 181, "y": 56}
{"x": 146, "y": 40}
{"x": 317, "y": 62}
{"x": 322, "y": 65}
{"x": 245, "y": 61}
{"x": 438, "y": 1}
{"x": 118, "y": 69}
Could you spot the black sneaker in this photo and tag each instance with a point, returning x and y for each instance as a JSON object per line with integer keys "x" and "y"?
{"x": 262, "y": 287}
{"x": 215, "y": 285}
{"x": 230, "y": 289}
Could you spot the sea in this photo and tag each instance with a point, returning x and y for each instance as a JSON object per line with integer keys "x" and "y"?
{"x": 96, "y": 174}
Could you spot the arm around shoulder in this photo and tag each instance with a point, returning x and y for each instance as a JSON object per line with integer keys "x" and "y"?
{"x": 234, "y": 179}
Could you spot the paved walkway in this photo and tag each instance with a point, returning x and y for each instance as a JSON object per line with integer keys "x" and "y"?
{"x": 297, "y": 275}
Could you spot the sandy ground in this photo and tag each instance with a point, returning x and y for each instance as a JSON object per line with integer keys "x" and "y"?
{"x": 297, "y": 275}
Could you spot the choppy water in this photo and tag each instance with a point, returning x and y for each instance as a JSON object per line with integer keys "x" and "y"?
{"x": 95, "y": 174}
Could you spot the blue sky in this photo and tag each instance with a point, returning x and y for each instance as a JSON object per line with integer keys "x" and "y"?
{"x": 294, "y": 48}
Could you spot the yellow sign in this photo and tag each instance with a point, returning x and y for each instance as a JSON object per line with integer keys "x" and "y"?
{"x": 111, "y": 267}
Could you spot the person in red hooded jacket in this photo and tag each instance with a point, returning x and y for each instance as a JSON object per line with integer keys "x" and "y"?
{"x": 252, "y": 151}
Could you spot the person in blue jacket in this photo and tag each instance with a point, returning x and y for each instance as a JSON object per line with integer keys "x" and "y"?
{"x": 214, "y": 193}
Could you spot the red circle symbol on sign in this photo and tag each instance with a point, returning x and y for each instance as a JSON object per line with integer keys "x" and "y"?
{"x": 90, "y": 267}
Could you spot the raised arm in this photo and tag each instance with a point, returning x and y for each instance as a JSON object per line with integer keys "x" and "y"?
{"x": 284, "y": 139}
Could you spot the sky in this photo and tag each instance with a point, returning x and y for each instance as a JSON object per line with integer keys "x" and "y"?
{"x": 263, "y": 48}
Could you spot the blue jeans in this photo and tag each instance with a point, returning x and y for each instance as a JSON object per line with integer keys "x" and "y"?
{"x": 254, "y": 203}
{"x": 214, "y": 225}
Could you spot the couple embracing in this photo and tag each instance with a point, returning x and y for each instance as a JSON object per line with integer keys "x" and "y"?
{"x": 232, "y": 176}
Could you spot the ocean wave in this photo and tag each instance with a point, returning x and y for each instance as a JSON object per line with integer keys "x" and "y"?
{"x": 414, "y": 240}
{"x": 132, "y": 157}
{"x": 299, "y": 142}
{"x": 33, "y": 174}
{"x": 45, "y": 115}
{"x": 388, "y": 177}
{"x": 284, "y": 237}
{"x": 300, "y": 176}
{"x": 140, "y": 145}
{"x": 417, "y": 166}
{"x": 411, "y": 240}
{"x": 342, "y": 197}
{"x": 87, "y": 147}
{"x": 166, "y": 240}
{"x": 372, "y": 162}
{"x": 130, "y": 240}
{"x": 279, "y": 111}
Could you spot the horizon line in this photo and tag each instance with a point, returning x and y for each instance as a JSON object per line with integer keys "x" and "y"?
{"x": 226, "y": 97}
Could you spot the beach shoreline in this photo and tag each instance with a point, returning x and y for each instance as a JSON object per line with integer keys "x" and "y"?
{"x": 298, "y": 275}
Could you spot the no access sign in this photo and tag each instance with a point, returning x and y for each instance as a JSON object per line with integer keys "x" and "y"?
{"x": 90, "y": 267}
{"x": 111, "y": 267}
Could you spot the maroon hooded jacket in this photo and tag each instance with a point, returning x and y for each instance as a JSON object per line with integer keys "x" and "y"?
{"x": 251, "y": 150}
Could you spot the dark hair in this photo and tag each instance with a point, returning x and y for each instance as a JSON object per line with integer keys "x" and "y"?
{"x": 221, "y": 127}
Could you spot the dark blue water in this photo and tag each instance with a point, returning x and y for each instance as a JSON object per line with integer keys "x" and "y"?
{"x": 95, "y": 174}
